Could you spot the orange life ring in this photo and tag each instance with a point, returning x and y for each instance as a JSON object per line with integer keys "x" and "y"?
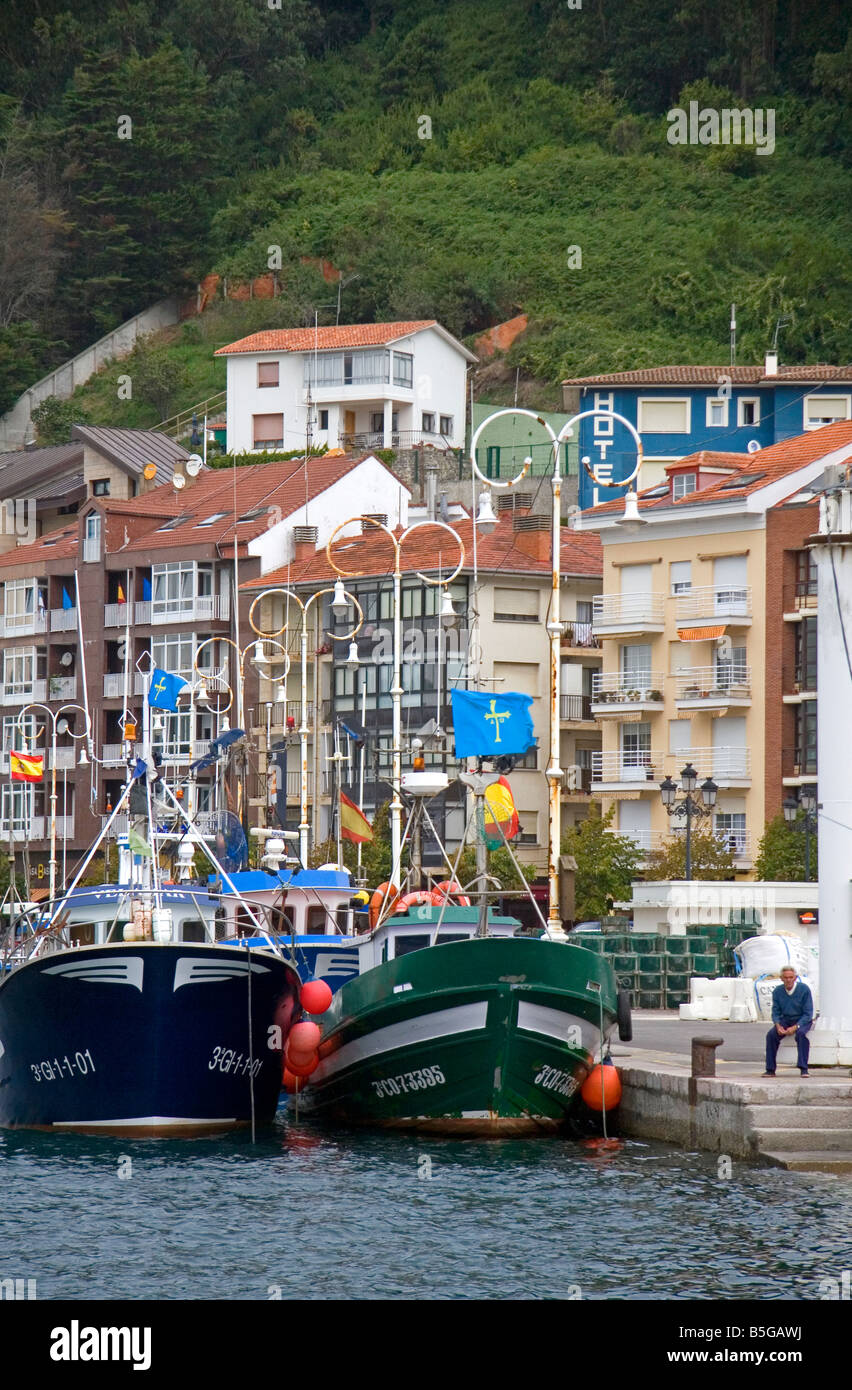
{"x": 414, "y": 900}
{"x": 383, "y": 902}
{"x": 448, "y": 891}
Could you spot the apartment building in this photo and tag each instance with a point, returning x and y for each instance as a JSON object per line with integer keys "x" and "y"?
{"x": 699, "y": 644}
{"x": 353, "y": 386}
{"x": 506, "y": 648}
{"x": 150, "y": 578}
{"x": 684, "y": 410}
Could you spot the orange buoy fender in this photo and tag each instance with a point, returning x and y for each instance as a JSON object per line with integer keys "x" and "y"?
{"x": 602, "y": 1088}
{"x": 383, "y": 900}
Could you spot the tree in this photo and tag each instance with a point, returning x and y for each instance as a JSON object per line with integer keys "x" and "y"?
{"x": 781, "y": 853}
{"x": 500, "y": 866}
{"x": 31, "y": 233}
{"x": 375, "y": 856}
{"x": 711, "y": 858}
{"x": 606, "y": 864}
{"x": 155, "y": 375}
{"x": 53, "y": 420}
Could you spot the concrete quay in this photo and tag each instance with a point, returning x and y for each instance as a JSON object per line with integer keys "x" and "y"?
{"x": 789, "y": 1121}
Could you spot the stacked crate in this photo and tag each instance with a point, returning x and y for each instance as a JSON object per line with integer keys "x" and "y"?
{"x": 657, "y": 969}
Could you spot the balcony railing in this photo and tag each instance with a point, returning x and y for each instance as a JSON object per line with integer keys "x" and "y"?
{"x": 294, "y": 711}
{"x": 63, "y": 619}
{"x": 398, "y": 439}
{"x": 23, "y": 624}
{"x": 646, "y": 841}
{"x": 112, "y": 754}
{"x": 634, "y": 611}
{"x": 120, "y": 825}
{"x": 715, "y": 684}
{"x": 628, "y": 765}
{"x": 577, "y": 779}
{"x": 580, "y": 635}
{"x": 294, "y": 785}
{"x": 205, "y": 607}
{"x": 722, "y": 764}
{"x": 712, "y": 603}
{"x": 62, "y": 687}
{"x": 114, "y": 684}
{"x": 627, "y": 688}
{"x": 737, "y": 841}
{"x": 23, "y": 695}
{"x": 575, "y": 707}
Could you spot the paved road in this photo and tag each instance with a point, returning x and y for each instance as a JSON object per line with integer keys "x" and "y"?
{"x": 744, "y": 1042}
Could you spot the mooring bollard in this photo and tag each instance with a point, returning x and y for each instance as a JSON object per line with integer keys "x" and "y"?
{"x": 704, "y": 1056}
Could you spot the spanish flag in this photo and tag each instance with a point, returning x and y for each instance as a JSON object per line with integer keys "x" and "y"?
{"x": 354, "y": 825}
{"x": 121, "y": 595}
{"x": 26, "y": 767}
{"x": 499, "y": 810}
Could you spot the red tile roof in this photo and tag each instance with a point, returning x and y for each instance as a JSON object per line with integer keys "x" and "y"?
{"x": 54, "y": 545}
{"x": 709, "y": 376}
{"x": 429, "y": 548}
{"x": 771, "y": 464}
{"x": 344, "y": 335}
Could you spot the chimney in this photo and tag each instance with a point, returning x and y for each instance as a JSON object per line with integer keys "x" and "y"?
{"x": 532, "y": 536}
{"x": 380, "y": 517}
{"x": 514, "y": 504}
{"x": 304, "y": 543}
{"x": 431, "y": 480}
{"x": 770, "y": 364}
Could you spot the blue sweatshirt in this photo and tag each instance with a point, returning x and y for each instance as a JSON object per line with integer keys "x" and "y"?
{"x": 797, "y": 1007}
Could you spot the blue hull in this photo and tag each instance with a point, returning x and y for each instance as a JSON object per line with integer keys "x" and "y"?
{"x": 143, "y": 1038}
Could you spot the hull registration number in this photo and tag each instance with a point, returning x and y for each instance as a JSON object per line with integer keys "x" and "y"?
{"x": 409, "y": 1081}
{"x": 560, "y": 1082}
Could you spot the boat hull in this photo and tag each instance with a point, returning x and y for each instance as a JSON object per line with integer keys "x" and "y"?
{"x": 487, "y": 1036}
{"x": 144, "y": 1039}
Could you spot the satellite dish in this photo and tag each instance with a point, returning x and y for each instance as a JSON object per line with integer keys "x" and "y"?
{"x": 753, "y": 446}
{"x": 122, "y": 650}
{"x": 149, "y": 471}
{"x": 194, "y": 465}
{"x": 66, "y": 658}
{"x": 179, "y": 481}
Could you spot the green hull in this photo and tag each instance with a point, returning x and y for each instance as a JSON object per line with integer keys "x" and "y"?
{"x": 492, "y": 1035}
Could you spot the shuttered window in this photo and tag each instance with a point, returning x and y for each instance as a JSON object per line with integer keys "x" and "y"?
{"x": 664, "y": 416}
{"x": 267, "y": 374}
{"x": 516, "y": 605}
{"x": 268, "y": 431}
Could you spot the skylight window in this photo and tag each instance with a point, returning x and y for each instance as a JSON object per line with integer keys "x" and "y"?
{"x": 253, "y": 515}
{"x": 208, "y": 520}
{"x": 746, "y": 480}
{"x": 175, "y": 522}
{"x": 661, "y": 490}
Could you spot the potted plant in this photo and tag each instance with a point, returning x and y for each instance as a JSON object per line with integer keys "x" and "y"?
{"x": 655, "y": 694}
{"x": 55, "y": 686}
{"x": 691, "y": 692}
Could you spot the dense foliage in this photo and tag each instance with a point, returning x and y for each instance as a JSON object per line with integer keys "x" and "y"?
{"x": 448, "y": 154}
{"x": 607, "y": 863}
{"x": 781, "y": 854}
{"x": 711, "y": 858}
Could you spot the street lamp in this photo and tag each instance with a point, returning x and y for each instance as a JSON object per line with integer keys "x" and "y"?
{"x": 340, "y": 602}
{"x": 807, "y": 824}
{"x": 688, "y": 806}
{"x": 55, "y": 721}
{"x": 396, "y": 692}
{"x": 631, "y": 516}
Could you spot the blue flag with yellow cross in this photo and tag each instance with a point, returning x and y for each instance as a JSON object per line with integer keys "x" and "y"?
{"x": 491, "y": 726}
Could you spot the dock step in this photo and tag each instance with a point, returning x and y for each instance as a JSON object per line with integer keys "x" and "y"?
{"x": 770, "y": 1116}
{"x": 810, "y": 1161}
{"x": 790, "y": 1141}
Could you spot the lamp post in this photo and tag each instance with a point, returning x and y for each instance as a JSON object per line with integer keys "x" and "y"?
{"x": 56, "y": 718}
{"x": 688, "y": 806}
{"x": 485, "y": 518}
{"x": 341, "y": 598}
{"x": 807, "y": 824}
{"x": 396, "y": 689}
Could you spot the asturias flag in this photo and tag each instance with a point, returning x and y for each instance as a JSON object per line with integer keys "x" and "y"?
{"x": 354, "y": 825}
{"x": 164, "y": 690}
{"x": 500, "y": 811}
{"x": 490, "y": 726}
{"x": 26, "y": 767}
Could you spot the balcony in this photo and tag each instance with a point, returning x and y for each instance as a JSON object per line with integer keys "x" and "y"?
{"x": 802, "y": 763}
{"x": 804, "y": 687}
{"x": 623, "y": 615}
{"x": 23, "y": 695}
{"x": 577, "y": 782}
{"x": 294, "y": 785}
{"x": 803, "y": 603}
{"x": 112, "y": 755}
{"x": 120, "y": 825}
{"x": 615, "y": 694}
{"x": 729, "y": 767}
{"x": 713, "y": 604}
{"x": 294, "y": 712}
{"x": 63, "y": 619}
{"x": 575, "y": 709}
{"x": 203, "y": 608}
{"x": 114, "y": 684}
{"x": 713, "y": 687}
{"x": 581, "y": 636}
{"x": 62, "y": 688}
{"x": 627, "y": 768}
{"x": 23, "y": 624}
{"x": 646, "y": 841}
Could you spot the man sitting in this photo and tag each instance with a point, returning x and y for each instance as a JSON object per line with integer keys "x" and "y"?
{"x": 792, "y": 1012}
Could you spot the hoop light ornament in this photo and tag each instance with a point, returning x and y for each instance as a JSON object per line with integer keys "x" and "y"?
{"x": 397, "y": 544}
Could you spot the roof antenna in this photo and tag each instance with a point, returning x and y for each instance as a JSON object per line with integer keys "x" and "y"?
{"x": 733, "y": 334}
{"x": 779, "y": 324}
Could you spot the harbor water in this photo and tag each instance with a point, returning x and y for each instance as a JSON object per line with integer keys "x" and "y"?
{"x": 309, "y": 1214}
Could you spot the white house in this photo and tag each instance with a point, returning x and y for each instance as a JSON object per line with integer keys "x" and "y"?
{"x": 355, "y": 386}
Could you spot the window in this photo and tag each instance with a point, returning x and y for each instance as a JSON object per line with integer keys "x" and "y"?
{"x": 427, "y": 421}
{"x": 824, "y": 410}
{"x": 20, "y": 665}
{"x": 741, "y": 481}
{"x": 25, "y": 599}
{"x": 100, "y": 487}
{"x": 682, "y": 485}
{"x": 371, "y": 367}
{"x": 323, "y": 419}
{"x": 731, "y": 671}
{"x": 92, "y": 538}
{"x": 806, "y": 738}
{"x": 267, "y": 373}
{"x": 806, "y": 573}
{"x": 446, "y": 424}
{"x": 585, "y": 610}
{"x": 806, "y": 654}
{"x": 208, "y": 520}
{"x": 403, "y": 369}
{"x": 635, "y": 750}
{"x": 177, "y": 585}
{"x": 175, "y": 521}
{"x": 664, "y": 415}
{"x": 268, "y": 431}
{"x": 636, "y": 665}
{"x": 717, "y": 410}
{"x": 528, "y": 833}
{"x": 680, "y": 576}
{"x": 405, "y": 944}
{"x": 515, "y": 605}
{"x": 748, "y": 410}
{"x": 18, "y": 735}
{"x": 730, "y": 828}
{"x": 174, "y": 741}
{"x": 19, "y": 806}
{"x": 377, "y": 421}
{"x": 173, "y": 652}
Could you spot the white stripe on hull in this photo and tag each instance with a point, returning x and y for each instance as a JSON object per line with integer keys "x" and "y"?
{"x": 556, "y": 1023}
{"x": 147, "y": 1121}
{"x": 466, "y": 1018}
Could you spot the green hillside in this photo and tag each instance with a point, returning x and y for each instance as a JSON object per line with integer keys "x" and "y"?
{"x": 466, "y": 160}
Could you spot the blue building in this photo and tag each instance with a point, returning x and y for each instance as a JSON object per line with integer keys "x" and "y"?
{"x": 679, "y": 411}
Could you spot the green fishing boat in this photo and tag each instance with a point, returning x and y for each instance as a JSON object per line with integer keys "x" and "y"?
{"x": 447, "y": 1030}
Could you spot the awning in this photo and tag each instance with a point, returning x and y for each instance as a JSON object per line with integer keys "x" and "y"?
{"x": 701, "y": 634}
